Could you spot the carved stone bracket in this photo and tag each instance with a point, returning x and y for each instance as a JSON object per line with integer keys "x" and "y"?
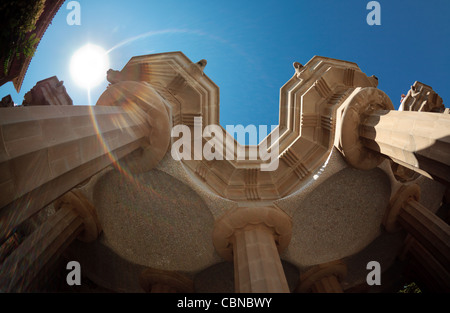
{"x": 361, "y": 102}
{"x": 78, "y": 202}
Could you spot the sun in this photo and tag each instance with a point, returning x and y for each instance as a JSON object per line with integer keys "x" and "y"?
{"x": 89, "y": 65}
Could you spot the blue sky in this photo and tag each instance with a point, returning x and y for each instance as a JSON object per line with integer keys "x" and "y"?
{"x": 250, "y": 45}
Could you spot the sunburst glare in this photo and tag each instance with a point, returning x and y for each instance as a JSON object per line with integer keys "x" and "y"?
{"x": 88, "y": 66}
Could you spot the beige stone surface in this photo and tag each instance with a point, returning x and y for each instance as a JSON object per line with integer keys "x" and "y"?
{"x": 323, "y": 278}
{"x": 252, "y": 238}
{"x": 257, "y": 262}
{"x": 6, "y": 102}
{"x": 219, "y": 278}
{"x": 271, "y": 218}
{"x": 216, "y": 204}
{"x": 428, "y": 229}
{"x": 158, "y": 281}
{"x": 155, "y": 220}
{"x": 105, "y": 267}
{"x": 384, "y": 249}
{"x": 422, "y": 98}
{"x": 339, "y": 218}
{"x": 360, "y": 103}
{"x": 404, "y": 194}
{"x": 417, "y": 140}
{"x": 150, "y": 109}
{"x": 333, "y": 233}
{"x": 314, "y": 92}
{"x": 47, "y": 150}
{"x": 36, "y": 254}
{"x": 325, "y": 201}
{"x": 369, "y": 129}
{"x": 76, "y": 201}
{"x": 50, "y": 91}
{"x": 430, "y": 269}
{"x": 334, "y": 164}
{"x": 74, "y": 218}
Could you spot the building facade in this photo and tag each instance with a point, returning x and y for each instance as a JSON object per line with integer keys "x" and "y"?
{"x": 349, "y": 181}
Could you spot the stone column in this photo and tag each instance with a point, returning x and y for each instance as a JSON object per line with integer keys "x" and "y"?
{"x": 323, "y": 278}
{"x": 370, "y": 129}
{"x": 428, "y": 269}
{"x": 426, "y": 227}
{"x": 159, "y": 281}
{"x": 46, "y": 151}
{"x": 416, "y": 140}
{"x": 75, "y": 218}
{"x": 253, "y": 239}
{"x": 8, "y": 246}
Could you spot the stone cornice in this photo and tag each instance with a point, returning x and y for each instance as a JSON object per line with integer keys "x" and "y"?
{"x": 308, "y": 105}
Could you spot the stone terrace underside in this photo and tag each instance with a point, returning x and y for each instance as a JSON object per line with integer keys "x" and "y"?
{"x": 350, "y": 178}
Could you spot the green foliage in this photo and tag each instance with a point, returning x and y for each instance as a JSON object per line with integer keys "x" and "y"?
{"x": 410, "y": 288}
{"x": 19, "y": 18}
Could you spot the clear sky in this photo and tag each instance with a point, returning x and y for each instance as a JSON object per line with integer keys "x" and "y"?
{"x": 250, "y": 45}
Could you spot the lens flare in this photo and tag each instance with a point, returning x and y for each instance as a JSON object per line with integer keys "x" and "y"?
{"x": 89, "y": 65}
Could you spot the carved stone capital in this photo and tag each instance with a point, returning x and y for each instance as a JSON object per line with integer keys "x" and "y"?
{"x": 362, "y": 102}
{"x": 153, "y": 280}
{"x": 336, "y": 269}
{"x": 83, "y": 207}
{"x": 150, "y": 107}
{"x": 273, "y": 219}
{"x": 403, "y": 195}
{"x": 402, "y": 173}
{"x": 422, "y": 98}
